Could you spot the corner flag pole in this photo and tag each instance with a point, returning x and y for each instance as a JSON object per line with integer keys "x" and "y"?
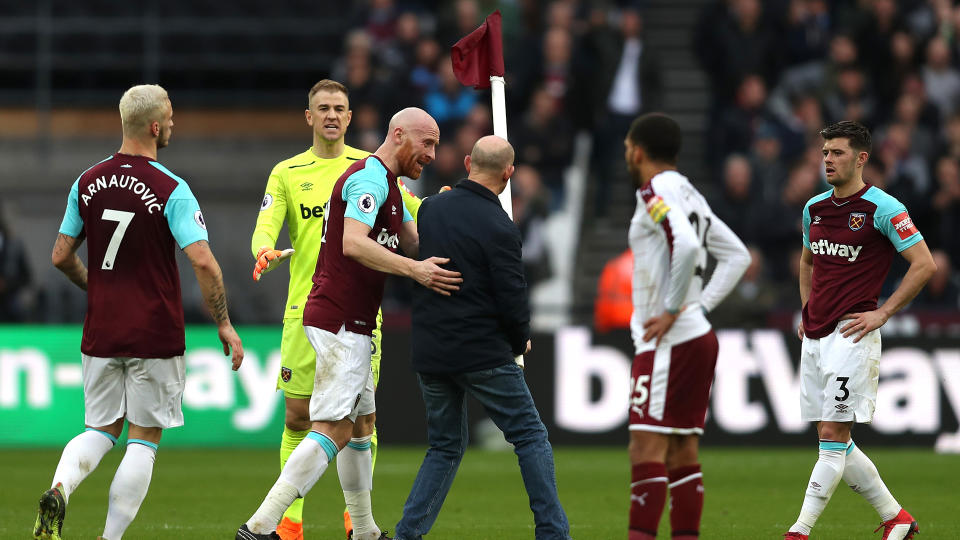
{"x": 498, "y": 106}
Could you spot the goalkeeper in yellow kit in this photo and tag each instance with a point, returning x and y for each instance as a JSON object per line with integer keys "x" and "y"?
{"x": 297, "y": 191}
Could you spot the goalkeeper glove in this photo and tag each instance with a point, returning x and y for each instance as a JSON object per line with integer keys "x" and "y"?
{"x": 268, "y": 259}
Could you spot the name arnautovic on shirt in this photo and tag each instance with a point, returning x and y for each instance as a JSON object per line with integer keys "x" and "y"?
{"x": 123, "y": 181}
{"x": 825, "y": 247}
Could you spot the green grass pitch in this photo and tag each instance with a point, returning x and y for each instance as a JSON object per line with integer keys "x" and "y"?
{"x": 750, "y": 494}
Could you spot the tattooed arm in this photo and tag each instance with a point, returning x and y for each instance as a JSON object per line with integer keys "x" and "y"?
{"x": 66, "y": 260}
{"x": 215, "y": 296}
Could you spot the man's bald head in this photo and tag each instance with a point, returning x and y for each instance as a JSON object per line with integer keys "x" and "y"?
{"x": 413, "y": 119}
{"x": 491, "y": 162}
{"x": 491, "y": 155}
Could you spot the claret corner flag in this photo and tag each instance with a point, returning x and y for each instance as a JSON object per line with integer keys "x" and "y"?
{"x": 479, "y": 55}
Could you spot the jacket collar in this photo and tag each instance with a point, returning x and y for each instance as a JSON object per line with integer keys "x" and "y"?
{"x": 479, "y": 189}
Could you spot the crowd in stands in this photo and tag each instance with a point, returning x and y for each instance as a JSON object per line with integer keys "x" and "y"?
{"x": 779, "y": 71}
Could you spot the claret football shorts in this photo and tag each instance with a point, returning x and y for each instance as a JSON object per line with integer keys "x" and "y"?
{"x": 839, "y": 378}
{"x": 670, "y": 386}
{"x": 343, "y": 382}
{"x": 148, "y": 391}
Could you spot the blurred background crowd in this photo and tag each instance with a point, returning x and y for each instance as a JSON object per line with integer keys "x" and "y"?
{"x": 751, "y": 82}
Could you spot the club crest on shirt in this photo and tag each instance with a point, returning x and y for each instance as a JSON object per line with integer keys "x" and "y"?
{"x": 366, "y": 203}
{"x": 857, "y": 219}
{"x": 286, "y": 373}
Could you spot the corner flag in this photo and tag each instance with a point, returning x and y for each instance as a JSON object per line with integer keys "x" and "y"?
{"x": 479, "y": 55}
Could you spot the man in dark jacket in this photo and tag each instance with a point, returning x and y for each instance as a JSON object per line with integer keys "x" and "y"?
{"x": 466, "y": 343}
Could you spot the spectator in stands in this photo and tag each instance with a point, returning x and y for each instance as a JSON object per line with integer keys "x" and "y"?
{"x": 803, "y": 125}
{"x": 531, "y": 203}
{"x": 460, "y": 20}
{"x": 942, "y": 81}
{"x": 423, "y": 75}
{"x": 543, "y": 139}
{"x": 902, "y": 62}
{"x": 735, "y": 130}
{"x": 749, "y": 304}
{"x": 451, "y": 102}
{"x": 807, "y": 32}
{"x": 740, "y": 45}
{"x": 949, "y": 140}
{"x": 945, "y": 204}
{"x": 614, "y": 303}
{"x": 851, "y": 99}
{"x": 365, "y": 133}
{"x": 381, "y": 21}
{"x": 942, "y": 292}
{"x": 874, "y": 35}
{"x": 14, "y": 277}
{"x": 739, "y": 203}
{"x": 446, "y": 170}
{"x": 908, "y": 177}
{"x": 619, "y": 79}
{"x": 780, "y": 228}
{"x": 769, "y": 172}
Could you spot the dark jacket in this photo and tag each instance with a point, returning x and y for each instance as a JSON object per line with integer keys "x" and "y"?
{"x": 486, "y": 322}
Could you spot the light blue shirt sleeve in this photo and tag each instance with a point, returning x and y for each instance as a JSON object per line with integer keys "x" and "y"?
{"x": 72, "y": 223}
{"x": 183, "y": 213}
{"x": 806, "y": 226}
{"x": 892, "y": 220}
{"x": 365, "y": 191}
{"x": 406, "y": 214}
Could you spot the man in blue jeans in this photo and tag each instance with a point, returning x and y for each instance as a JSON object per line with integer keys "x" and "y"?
{"x": 466, "y": 343}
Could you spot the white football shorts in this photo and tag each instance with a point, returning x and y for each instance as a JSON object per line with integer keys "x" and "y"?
{"x": 343, "y": 380}
{"x": 147, "y": 391}
{"x": 839, "y": 378}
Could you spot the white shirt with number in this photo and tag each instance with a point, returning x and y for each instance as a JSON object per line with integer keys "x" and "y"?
{"x": 671, "y": 233}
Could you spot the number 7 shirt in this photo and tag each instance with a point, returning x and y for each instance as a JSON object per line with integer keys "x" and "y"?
{"x": 671, "y": 232}
{"x": 134, "y": 213}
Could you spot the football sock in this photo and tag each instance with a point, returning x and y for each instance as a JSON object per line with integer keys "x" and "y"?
{"x": 862, "y": 476}
{"x": 80, "y": 457}
{"x": 348, "y": 523}
{"x": 686, "y": 501}
{"x": 288, "y": 443}
{"x": 355, "y": 468}
{"x": 304, "y": 467}
{"x": 129, "y": 486}
{"x": 823, "y": 481}
{"x": 648, "y": 493}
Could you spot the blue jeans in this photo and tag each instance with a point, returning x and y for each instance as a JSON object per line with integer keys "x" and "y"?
{"x": 503, "y": 393}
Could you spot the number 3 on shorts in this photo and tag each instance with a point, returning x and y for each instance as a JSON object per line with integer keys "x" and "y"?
{"x": 843, "y": 388}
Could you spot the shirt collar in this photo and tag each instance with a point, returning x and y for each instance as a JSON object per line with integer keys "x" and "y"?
{"x": 479, "y": 189}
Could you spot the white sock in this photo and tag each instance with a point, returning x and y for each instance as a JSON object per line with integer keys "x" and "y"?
{"x": 862, "y": 476}
{"x": 304, "y": 467}
{"x": 129, "y": 488}
{"x": 355, "y": 468}
{"x": 80, "y": 457}
{"x": 823, "y": 481}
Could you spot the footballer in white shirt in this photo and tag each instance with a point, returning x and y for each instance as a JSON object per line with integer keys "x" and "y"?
{"x": 671, "y": 233}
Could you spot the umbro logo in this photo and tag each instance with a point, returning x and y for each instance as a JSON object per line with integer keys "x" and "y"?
{"x": 816, "y": 220}
{"x": 394, "y": 208}
{"x": 306, "y": 186}
{"x": 126, "y": 166}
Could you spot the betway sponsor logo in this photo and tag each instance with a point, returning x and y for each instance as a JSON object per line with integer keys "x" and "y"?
{"x": 824, "y": 247}
{"x": 387, "y": 239}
